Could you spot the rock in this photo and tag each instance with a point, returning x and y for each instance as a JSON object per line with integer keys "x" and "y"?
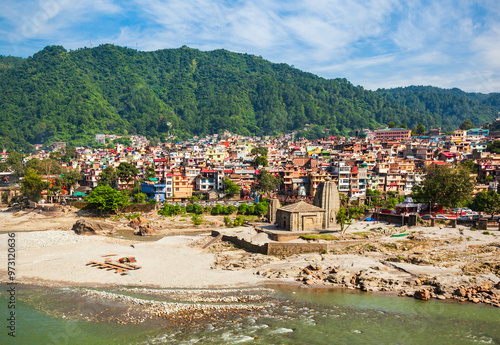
{"x": 314, "y": 267}
{"x": 441, "y": 297}
{"x": 92, "y": 227}
{"x": 145, "y": 230}
{"x": 136, "y": 222}
{"x": 475, "y": 300}
{"x": 422, "y": 294}
{"x": 460, "y": 292}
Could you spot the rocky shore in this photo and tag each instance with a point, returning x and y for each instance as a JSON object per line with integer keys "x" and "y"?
{"x": 431, "y": 262}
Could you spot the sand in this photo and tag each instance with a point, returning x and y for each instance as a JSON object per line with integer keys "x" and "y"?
{"x": 167, "y": 263}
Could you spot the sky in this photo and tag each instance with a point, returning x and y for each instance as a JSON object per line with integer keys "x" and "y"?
{"x": 372, "y": 43}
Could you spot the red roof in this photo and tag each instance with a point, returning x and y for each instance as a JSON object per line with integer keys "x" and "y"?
{"x": 207, "y": 171}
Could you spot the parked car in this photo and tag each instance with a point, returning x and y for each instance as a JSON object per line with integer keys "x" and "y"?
{"x": 426, "y": 216}
{"x": 440, "y": 216}
{"x": 464, "y": 218}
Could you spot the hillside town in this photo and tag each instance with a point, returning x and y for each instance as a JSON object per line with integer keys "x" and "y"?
{"x": 389, "y": 160}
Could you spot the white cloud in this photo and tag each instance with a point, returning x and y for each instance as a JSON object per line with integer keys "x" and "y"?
{"x": 49, "y": 18}
{"x": 371, "y": 42}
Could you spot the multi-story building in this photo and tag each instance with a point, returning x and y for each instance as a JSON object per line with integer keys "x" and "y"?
{"x": 392, "y": 134}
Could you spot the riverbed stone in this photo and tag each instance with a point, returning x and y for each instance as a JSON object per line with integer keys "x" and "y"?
{"x": 92, "y": 227}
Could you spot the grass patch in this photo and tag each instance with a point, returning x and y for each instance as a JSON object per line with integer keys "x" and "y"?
{"x": 362, "y": 233}
{"x": 327, "y": 237}
{"x": 486, "y": 233}
{"x": 182, "y": 220}
{"x": 132, "y": 216}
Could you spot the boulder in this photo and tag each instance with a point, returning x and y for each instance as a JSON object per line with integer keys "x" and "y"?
{"x": 137, "y": 222}
{"x": 145, "y": 230}
{"x": 422, "y": 294}
{"x": 460, "y": 292}
{"x": 92, "y": 227}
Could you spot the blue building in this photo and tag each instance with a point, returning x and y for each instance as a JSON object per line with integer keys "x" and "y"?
{"x": 154, "y": 191}
{"x": 478, "y": 132}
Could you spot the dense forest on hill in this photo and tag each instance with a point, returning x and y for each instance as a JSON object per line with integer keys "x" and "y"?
{"x": 58, "y": 95}
{"x": 451, "y": 105}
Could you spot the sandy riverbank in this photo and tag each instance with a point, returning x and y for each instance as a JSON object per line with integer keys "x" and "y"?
{"x": 61, "y": 256}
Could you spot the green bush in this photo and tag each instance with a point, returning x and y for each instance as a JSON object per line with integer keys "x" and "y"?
{"x": 258, "y": 209}
{"x": 222, "y": 210}
{"x": 171, "y": 210}
{"x": 197, "y": 219}
{"x": 132, "y": 216}
{"x": 194, "y": 208}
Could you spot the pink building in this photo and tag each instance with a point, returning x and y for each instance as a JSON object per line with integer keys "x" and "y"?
{"x": 393, "y": 134}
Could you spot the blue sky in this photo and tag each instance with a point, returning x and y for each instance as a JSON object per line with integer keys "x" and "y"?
{"x": 373, "y": 43}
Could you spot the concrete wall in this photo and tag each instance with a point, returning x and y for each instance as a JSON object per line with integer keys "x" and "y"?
{"x": 392, "y": 218}
{"x": 286, "y": 249}
{"x": 242, "y": 243}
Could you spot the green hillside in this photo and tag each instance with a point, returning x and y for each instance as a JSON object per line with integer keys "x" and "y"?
{"x": 449, "y": 107}
{"x": 58, "y": 95}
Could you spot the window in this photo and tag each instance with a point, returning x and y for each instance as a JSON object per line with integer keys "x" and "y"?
{"x": 176, "y": 189}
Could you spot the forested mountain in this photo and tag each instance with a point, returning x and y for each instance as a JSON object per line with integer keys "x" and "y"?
{"x": 449, "y": 107}
{"x": 58, "y": 95}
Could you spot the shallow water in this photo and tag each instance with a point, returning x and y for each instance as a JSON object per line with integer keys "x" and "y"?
{"x": 300, "y": 316}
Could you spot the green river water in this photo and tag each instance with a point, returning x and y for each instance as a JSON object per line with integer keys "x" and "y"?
{"x": 305, "y": 316}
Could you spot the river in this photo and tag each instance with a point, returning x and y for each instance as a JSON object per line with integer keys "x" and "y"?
{"x": 302, "y": 316}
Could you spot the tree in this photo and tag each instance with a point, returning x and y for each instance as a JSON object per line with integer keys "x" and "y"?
{"x": 470, "y": 165}
{"x": 70, "y": 178}
{"x": 267, "y": 182}
{"x": 420, "y": 129}
{"x": 343, "y": 219}
{"x": 15, "y": 162}
{"x": 260, "y": 156}
{"x": 445, "y": 185}
{"x": 150, "y": 172}
{"x": 70, "y": 152}
{"x": 374, "y": 196}
{"x": 261, "y": 161}
{"x": 494, "y": 147}
{"x": 32, "y": 185}
{"x": 466, "y": 125}
{"x": 230, "y": 187}
{"x": 261, "y": 208}
{"x": 126, "y": 172}
{"x": 346, "y": 215}
{"x": 391, "y": 124}
{"x": 107, "y": 177}
{"x": 107, "y": 199}
{"x": 487, "y": 202}
{"x": 45, "y": 167}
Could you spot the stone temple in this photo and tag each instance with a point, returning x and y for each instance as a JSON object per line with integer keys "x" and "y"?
{"x": 302, "y": 216}
{"x": 327, "y": 198}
